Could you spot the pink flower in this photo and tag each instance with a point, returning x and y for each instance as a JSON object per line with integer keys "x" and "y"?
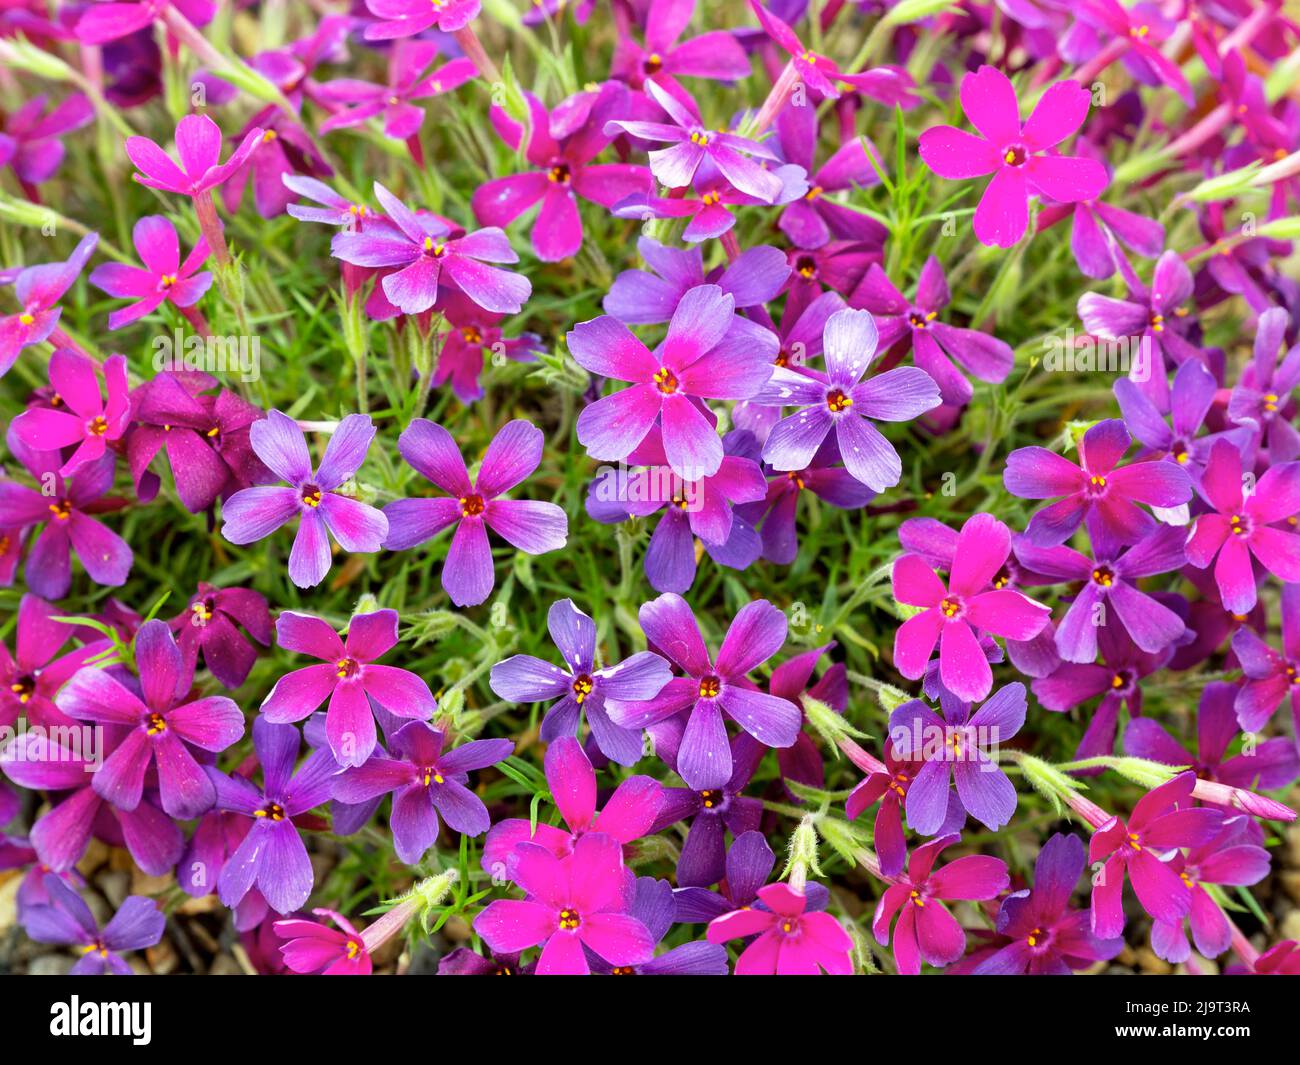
{"x": 954, "y": 616}
{"x": 791, "y": 942}
{"x": 405, "y": 18}
{"x": 198, "y": 147}
{"x": 38, "y": 290}
{"x": 165, "y": 279}
{"x": 1017, "y": 156}
{"x": 89, "y": 422}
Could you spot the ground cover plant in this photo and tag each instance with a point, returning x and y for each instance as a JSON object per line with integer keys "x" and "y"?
{"x": 646, "y": 487}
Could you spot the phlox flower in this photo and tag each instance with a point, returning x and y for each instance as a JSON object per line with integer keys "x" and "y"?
{"x": 1141, "y": 29}
{"x": 665, "y": 57}
{"x": 474, "y": 334}
{"x": 405, "y": 18}
{"x": 749, "y": 866}
{"x": 310, "y": 947}
{"x": 67, "y": 921}
{"x": 198, "y": 148}
{"x": 165, "y": 279}
{"x": 89, "y": 423}
{"x": 791, "y": 940}
{"x": 1263, "y": 396}
{"x": 211, "y": 623}
{"x": 1179, "y": 440}
{"x": 102, "y": 23}
{"x": 654, "y": 906}
{"x": 38, "y": 290}
{"x": 30, "y": 678}
{"x": 31, "y": 139}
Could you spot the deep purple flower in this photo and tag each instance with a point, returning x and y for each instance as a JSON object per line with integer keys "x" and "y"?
{"x": 421, "y": 253}
{"x": 164, "y": 727}
{"x": 844, "y": 402}
{"x": 38, "y": 290}
{"x": 1240, "y": 527}
{"x": 926, "y": 930}
{"x": 31, "y": 140}
{"x": 211, "y": 624}
{"x": 531, "y": 526}
{"x": 1048, "y": 938}
{"x": 350, "y": 678}
{"x": 574, "y": 902}
{"x": 579, "y": 686}
{"x": 791, "y": 940}
{"x": 1139, "y": 846}
{"x": 89, "y": 423}
{"x": 165, "y": 279}
{"x": 31, "y": 678}
{"x": 272, "y": 856}
{"x": 67, "y": 921}
{"x": 254, "y": 513}
{"x": 712, "y": 688}
{"x": 198, "y": 147}
{"x": 1095, "y": 490}
{"x": 934, "y": 344}
{"x": 952, "y": 616}
{"x": 749, "y": 865}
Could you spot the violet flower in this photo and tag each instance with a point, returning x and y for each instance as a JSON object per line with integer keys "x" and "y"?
{"x": 67, "y": 921}
{"x": 1240, "y": 528}
{"x": 474, "y": 334}
{"x": 1099, "y": 230}
{"x": 254, "y": 513}
{"x": 572, "y": 903}
{"x": 925, "y": 929}
{"x": 1270, "y": 676}
{"x": 531, "y": 526}
{"x": 844, "y": 402}
{"x": 889, "y": 786}
{"x": 654, "y": 906}
{"x": 1141, "y": 31}
{"x": 165, "y": 279}
{"x": 712, "y": 688}
{"x": 404, "y": 18}
{"x": 1016, "y": 155}
{"x": 31, "y": 677}
{"x": 38, "y": 290}
{"x": 1263, "y": 395}
{"x": 952, "y": 616}
{"x": 164, "y": 727}
{"x": 716, "y": 55}
{"x": 34, "y": 139}
{"x": 580, "y": 688}
{"x": 791, "y": 940}
{"x": 749, "y": 865}
{"x": 89, "y": 423}
{"x": 211, "y": 623}
{"x": 350, "y": 679}
{"x": 1190, "y": 400}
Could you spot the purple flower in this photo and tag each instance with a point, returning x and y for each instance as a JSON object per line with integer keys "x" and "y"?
{"x": 67, "y": 921}
{"x": 580, "y": 687}
{"x": 64, "y": 514}
{"x": 934, "y": 344}
{"x": 1270, "y": 676}
{"x": 844, "y": 402}
{"x": 692, "y": 144}
{"x": 198, "y": 147}
{"x": 1239, "y": 527}
{"x": 1048, "y": 938}
{"x": 708, "y": 353}
{"x": 1110, "y": 582}
{"x": 1139, "y": 31}
{"x": 888, "y": 784}
{"x": 350, "y": 679}
{"x": 286, "y": 148}
{"x": 421, "y": 254}
{"x": 404, "y": 18}
{"x": 654, "y": 906}
{"x": 1190, "y": 400}
{"x": 253, "y": 513}
{"x": 791, "y": 940}
{"x": 101, "y": 23}
{"x": 572, "y": 903}
{"x": 30, "y": 680}
{"x": 425, "y": 781}
{"x": 1262, "y": 398}
{"x": 1094, "y": 490}
{"x": 628, "y": 814}
{"x": 749, "y": 864}
{"x": 31, "y": 141}
{"x": 1099, "y": 230}
{"x": 89, "y": 423}
{"x": 272, "y": 856}
{"x": 38, "y": 290}
{"x": 953, "y": 747}
{"x": 712, "y": 688}
{"x": 952, "y": 616}
{"x": 165, "y": 278}
{"x": 164, "y": 728}
{"x": 528, "y": 525}
{"x": 926, "y": 930}
{"x": 1137, "y": 847}
{"x": 211, "y": 624}
{"x": 664, "y": 57}
{"x": 564, "y": 172}
{"x": 474, "y": 334}
{"x": 1020, "y": 158}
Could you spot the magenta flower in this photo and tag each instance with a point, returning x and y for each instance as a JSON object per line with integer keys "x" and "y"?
{"x": 312, "y": 948}
{"x": 790, "y": 940}
{"x": 531, "y": 526}
{"x": 67, "y": 921}
{"x": 475, "y": 333}
{"x": 31, "y": 678}
{"x": 1017, "y": 156}
{"x": 1262, "y": 398}
{"x": 425, "y": 781}
{"x": 574, "y": 902}
{"x": 665, "y": 57}
{"x": 38, "y": 290}
{"x": 421, "y": 255}
{"x": 1140, "y": 31}
{"x": 889, "y": 785}
{"x": 628, "y": 814}
{"x": 254, "y": 513}
{"x": 212, "y": 624}
{"x": 712, "y": 688}
{"x": 926, "y": 930}
{"x": 101, "y": 23}
{"x": 198, "y": 147}
{"x": 31, "y": 141}
{"x": 89, "y": 423}
{"x": 843, "y": 401}
{"x": 952, "y": 617}
{"x": 165, "y": 279}
{"x": 405, "y": 18}
{"x": 1139, "y": 848}
{"x": 564, "y": 173}
{"x": 707, "y": 354}
{"x": 1270, "y": 676}
{"x": 1240, "y": 527}
{"x": 163, "y": 726}
{"x": 1095, "y": 490}
{"x": 1099, "y": 230}
{"x": 350, "y": 679}
{"x": 1048, "y": 937}
{"x": 693, "y": 143}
